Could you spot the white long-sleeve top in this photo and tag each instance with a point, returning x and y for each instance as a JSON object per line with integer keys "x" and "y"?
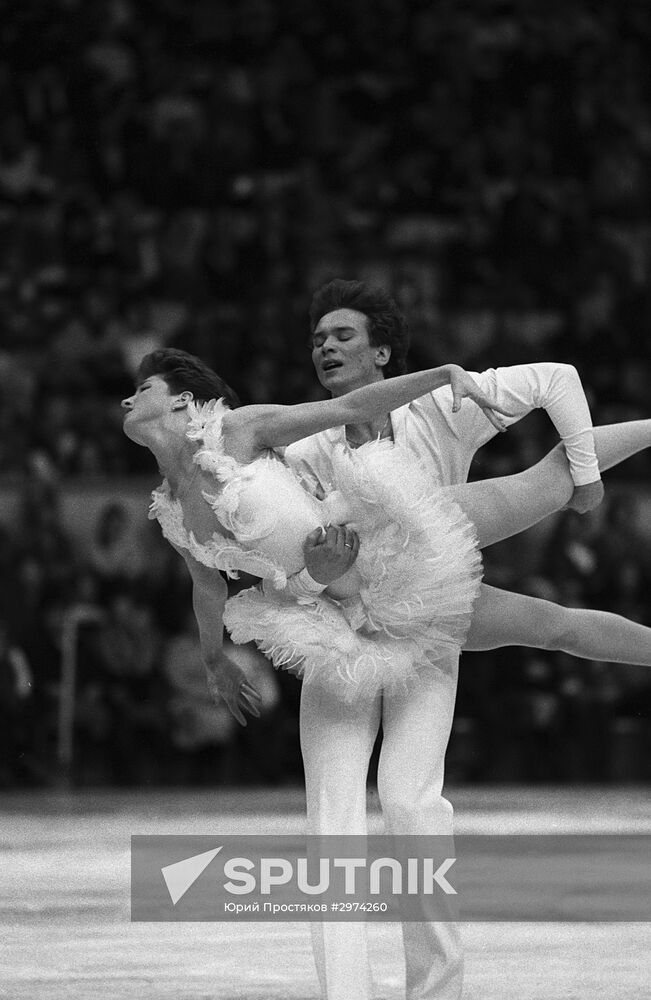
{"x": 446, "y": 442}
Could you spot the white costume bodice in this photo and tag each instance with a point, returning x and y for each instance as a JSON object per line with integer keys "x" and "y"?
{"x": 262, "y": 505}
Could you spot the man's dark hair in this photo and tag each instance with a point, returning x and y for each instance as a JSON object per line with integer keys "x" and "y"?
{"x": 184, "y": 372}
{"x": 386, "y": 324}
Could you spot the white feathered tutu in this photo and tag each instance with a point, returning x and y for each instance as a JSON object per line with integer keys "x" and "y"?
{"x": 421, "y": 570}
{"x": 419, "y": 562}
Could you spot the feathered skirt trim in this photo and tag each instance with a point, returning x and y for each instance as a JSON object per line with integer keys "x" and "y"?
{"x": 421, "y": 570}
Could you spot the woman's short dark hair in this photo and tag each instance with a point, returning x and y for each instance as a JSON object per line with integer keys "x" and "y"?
{"x": 184, "y": 372}
{"x": 386, "y": 324}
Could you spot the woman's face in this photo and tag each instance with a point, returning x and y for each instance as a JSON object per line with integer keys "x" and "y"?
{"x": 147, "y": 405}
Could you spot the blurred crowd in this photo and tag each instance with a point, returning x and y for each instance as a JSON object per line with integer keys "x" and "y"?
{"x": 186, "y": 173}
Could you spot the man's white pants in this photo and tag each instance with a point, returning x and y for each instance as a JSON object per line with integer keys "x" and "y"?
{"x": 337, "y": 740}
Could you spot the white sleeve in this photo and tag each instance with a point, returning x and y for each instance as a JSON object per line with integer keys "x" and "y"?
{"x": 556, "y": 388}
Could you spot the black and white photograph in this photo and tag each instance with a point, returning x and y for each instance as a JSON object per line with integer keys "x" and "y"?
{"x": 325, "y": 499}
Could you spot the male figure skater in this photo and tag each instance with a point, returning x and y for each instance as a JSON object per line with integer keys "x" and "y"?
{"x": 358, "y": 337}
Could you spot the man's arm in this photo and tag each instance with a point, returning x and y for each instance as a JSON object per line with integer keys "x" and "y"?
{"x": 225, "y": 679}
{"x": 556, "y": 388}
{"x": 329, "y": 554}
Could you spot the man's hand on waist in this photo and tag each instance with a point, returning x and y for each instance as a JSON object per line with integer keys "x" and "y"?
{"x": 329, "y": 553}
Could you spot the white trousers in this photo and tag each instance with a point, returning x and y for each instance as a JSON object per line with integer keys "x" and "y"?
{"x": 337, "y": 740}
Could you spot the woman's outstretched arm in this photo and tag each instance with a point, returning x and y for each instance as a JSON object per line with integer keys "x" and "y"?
{"x": 269, "y": 426}
{"x": 507, "y": 505}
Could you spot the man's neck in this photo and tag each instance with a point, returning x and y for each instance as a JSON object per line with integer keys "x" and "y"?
{"x": 357, "y": 434}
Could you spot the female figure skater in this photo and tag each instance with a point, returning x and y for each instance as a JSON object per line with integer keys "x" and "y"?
{"x": 229, "y": 502}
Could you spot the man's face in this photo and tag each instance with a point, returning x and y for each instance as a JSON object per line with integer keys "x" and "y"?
{"x": 342, "y": 353}
{"x": 148, "y": 404}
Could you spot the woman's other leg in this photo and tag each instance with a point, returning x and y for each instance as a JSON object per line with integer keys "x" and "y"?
{"x": 501, "y": 618}
{"x": 507, "y": 505}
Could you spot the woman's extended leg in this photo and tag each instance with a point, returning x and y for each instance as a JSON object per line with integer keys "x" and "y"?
{"x": 501, "y": 618}
{"x": 509, "y": 504}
